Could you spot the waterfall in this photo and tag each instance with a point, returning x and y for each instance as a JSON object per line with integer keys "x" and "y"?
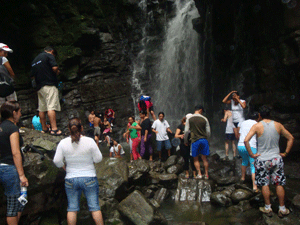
{"x": 139, "y": 62}
{"x": 178, "y": 75}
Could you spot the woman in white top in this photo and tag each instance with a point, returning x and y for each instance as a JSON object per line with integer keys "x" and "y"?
{"x": 80, "y": 153}
{"x": 237, "y": 107}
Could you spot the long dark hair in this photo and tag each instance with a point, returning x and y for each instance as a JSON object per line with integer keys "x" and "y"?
{"x": 75, "y": 129}
{"x": 8, "y": 108}
{"x": 143, "y": 105}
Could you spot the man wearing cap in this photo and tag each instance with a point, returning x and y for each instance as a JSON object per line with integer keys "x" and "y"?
{"x": 199, "y": 128}
{"x": 45, "y": 71}
{"x": 4, "y": 50}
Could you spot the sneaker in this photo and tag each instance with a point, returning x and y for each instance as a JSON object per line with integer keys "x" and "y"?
{"x": 281, "y": 213}
{"x": 268, "y": 212}
{"x": 198, "y": 177}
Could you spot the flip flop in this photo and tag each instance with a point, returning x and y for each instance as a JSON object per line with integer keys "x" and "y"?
{"x": 45, "y": 131}
{"x": 55, "y": 132}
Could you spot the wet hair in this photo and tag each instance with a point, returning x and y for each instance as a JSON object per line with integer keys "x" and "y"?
{"x": 49, "y": 49}
{"x": 183, "y": 120}
{"x": 253, "y": 115}
{"x": 161, "y": 113}
{"x": 75, "y": 129}
{"x": 143, "y": 112}
{"x": 8, "y": 108}
{"x": 265, "y": 111}
{"x": 143, "y": 105}
{"x": 131, "y": 117}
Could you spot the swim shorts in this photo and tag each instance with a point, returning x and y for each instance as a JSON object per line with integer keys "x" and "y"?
{"x": 200, "y": 146}
{"x": 269, "y": 169}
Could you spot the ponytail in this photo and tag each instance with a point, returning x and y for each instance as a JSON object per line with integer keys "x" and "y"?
{"x": 75, "y": 129}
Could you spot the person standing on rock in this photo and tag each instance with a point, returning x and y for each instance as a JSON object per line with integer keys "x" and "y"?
{"x": 229, "y": 134}
{"x": 80, "y": 153}
{"x": 146, "y": 135}
{"x": 45, "y": 70}
{"x": 244, "y": 129}
{"x": 4, "y": 50}
{"x": 199, "y": 128}
{"x": 237, "y": 107}
{"x": 185, "y": 151}
{"x": 133, "y": 133}
{"x": 91, "y": 118}
{"x": 268, "y": 159}
{"x": 11, "y": 166}
{"x": 97, "y": 130}
{"x": 161, "y": 127}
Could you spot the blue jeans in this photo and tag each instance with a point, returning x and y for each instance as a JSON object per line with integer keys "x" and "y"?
{"x": 10, "y": 180}
{"x": 89, "y": 186}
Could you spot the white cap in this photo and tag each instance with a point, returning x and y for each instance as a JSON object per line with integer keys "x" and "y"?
{"x": 188, "y": 115}
{"x": 5, "y": 48}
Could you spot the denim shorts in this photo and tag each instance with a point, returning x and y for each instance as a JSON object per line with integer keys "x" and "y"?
{"x": 165, "y": 143}
{"x": 89, "y": 186}
{"x": 9, "y": 179}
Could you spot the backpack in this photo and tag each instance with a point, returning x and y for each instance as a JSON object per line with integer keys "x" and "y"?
{"x": 6, "y": 82}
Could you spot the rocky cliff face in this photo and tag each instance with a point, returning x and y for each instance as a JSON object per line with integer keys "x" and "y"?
{"x": 252, "y": 47}
{"x": 109, "y": 52}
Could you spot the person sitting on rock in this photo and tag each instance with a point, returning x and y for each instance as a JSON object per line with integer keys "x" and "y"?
{"x": 145, "y": 104}
{"x": 116, "y": 150}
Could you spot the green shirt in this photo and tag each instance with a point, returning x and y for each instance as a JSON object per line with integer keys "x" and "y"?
{"x": 133, "y": 132}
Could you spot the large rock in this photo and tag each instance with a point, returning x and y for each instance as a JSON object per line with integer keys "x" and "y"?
{"x": 193, "y": 190}
{"x": 240, "y": 195}
{"x": 139, "y": 210}
{"x": 161, "y": 195}
{"x": 172, "y": 160}
{"x": 112, "y": 174}
{"x": 220, "y": 199}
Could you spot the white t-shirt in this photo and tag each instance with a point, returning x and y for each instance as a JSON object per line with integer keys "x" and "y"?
{"x": 4, "y": 60}
{"x": 237, "y": 112}
{"x": 161, "y": 127}
{"x": 114, "y": 149}
{"x": 244, "y": 130}
{"x": 80, "y": 158}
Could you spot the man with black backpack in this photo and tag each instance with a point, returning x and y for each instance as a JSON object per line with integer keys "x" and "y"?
{"x": 7, "y": 75}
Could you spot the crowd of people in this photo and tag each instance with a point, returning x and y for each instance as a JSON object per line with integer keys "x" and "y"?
{"x": 257, "y": 139}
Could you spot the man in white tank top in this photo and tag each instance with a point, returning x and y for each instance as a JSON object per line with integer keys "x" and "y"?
{"x": 237, "y": 107}
{"x": 268, "y": 159}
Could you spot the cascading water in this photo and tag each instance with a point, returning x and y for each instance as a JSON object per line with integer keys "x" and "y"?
{"x": 139, "y": 62}
{"x": 178, "y": 74}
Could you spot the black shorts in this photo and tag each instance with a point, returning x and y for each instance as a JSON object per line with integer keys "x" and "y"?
{"x": 236, "y": 124}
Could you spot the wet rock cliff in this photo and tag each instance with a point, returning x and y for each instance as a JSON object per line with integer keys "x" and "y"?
{"x": 252, "y": 47}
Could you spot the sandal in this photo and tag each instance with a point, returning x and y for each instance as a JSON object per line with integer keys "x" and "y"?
{"x": 256, "y": 191}
{"x": 187, "y": 176}
{"x": 55, "y": 132}
{"x": 45, "y": 131}
{"x": 198, "y": 177}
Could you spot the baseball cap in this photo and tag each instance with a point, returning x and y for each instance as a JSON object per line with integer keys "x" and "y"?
{"x": 5, "y": 48}
{"x": 198, "y": 107}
